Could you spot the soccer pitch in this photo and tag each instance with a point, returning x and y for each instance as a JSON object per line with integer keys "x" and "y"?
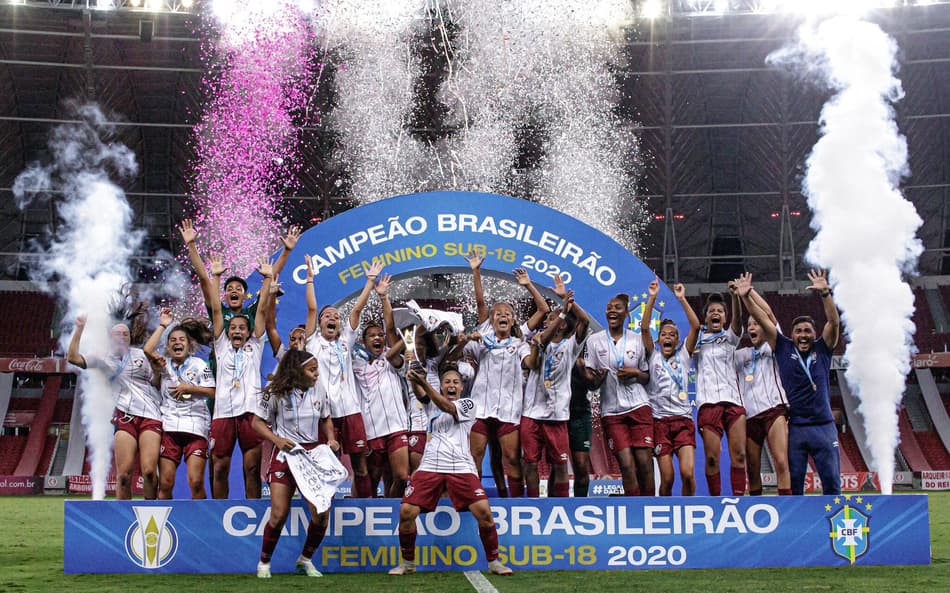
{"x": 31, "y": 559}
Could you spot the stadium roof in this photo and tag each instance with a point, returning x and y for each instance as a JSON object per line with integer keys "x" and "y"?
{"x": 725, "y": 135}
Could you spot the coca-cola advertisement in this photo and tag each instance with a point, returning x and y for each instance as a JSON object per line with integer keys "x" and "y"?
{"x": 33, "y": 365}
{"x": 20, "y": 485}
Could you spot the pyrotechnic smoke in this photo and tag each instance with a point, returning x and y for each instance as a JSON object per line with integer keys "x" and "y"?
{"x": 258, "y": 90}
{"x": 89, "y": 253}
{"x": 866, "y": 230}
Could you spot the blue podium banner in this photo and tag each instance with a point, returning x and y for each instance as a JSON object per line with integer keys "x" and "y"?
{"x": 224, "y": 536}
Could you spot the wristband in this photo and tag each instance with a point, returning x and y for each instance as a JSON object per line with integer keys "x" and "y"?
{"x": 163, "y": 325}
{"x": 824, "y": 294}
{"x": 309, "y": 281}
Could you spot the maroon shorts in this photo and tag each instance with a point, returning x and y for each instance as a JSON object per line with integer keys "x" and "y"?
{"x": 671, "y": 433}
{"x": 350, "y": 433}
{"x": 134, "y": 425}
{"x": 489, "y": 427}
{"x": 225, "y": 431}
{"x": 757, "y": 427}
{"x": 633, "y": 429}
{"x": 279, "y": 471}
{"x": 538, "y": 436}
{"x": 719, "y": 417}
{"x": 417, "y": 442}
{"x": 182, "y": 445}
{"x": 425, "y": 489}
{"x": 389, "y": 443}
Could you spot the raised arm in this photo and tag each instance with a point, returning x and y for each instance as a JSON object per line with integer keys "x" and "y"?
{"x": 290, "y": 241}
{"x": 270, "y": 320}
{"x": 217, "y": 318}
{"x": 393, "y": 339}
{"x": 419, "y": 378}
{"x": 371, "y": 274}
{"x": 190, "y": 235}
{"x": 475, "y": 262}
{"x": 832, "y": 330}
{"x": 583, "y": 319}
{"x": 151, "y": 345}
{"x": 646, "y": 335}
{"x": 72, "y": 352}
{"x": 541, "y": 307}
{"x": 736, "y": 323}
{"x": 764, "y": 305}
{"x": 693, "y": 335}
{"x": 744, "y": 290}
{"x": 311, "y": 325}
{"x": 266, "y": 300}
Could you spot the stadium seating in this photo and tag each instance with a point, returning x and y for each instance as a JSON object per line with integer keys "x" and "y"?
{"x": 933, "y": 449}
{"x": 63, "y": 411}
{"x": 11, "y": 448}
{"x": 30, "y": 460}
{"x": 916, "y": 458}
{"x": 46, "y": 457}
{"x": 28, "y": 332}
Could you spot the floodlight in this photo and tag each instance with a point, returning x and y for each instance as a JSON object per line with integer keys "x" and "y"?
{"x": 155, "y": 4}
{"x": 105, "y": 4}
{"x": 651, "y": 9}
{"x": 187, "y": 4}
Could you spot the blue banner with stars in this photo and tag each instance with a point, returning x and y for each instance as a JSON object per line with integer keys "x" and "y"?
{"x": 221, "y": 536}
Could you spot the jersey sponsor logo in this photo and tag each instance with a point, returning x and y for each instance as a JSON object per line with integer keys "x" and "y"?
{"x": 151, "y": 540}
{"x": 466, "y": 404}
{"x": 850, "y": 528}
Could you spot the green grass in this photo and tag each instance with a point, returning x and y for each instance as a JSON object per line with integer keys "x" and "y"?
{"x": 31, "y": 559}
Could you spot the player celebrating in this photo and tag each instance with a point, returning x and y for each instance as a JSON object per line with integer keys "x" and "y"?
{"x": 673, "y": 428}
{"x": 186, "y": 385}
{"x": 624, "y": 404}
{"x": 137, "y": 416}
{"x": 298, "y": 411}
{"x": 804, "y": 365}
{"x": 447, "y": 465}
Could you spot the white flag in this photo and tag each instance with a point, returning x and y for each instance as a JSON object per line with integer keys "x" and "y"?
{"x": 317, "y": 472}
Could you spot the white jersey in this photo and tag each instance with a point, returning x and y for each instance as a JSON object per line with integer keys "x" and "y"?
{"x": 448, "y": 451}
{"x": 547, "y": 395}
{"x": 238, "y": 380}
{"x": 381, "y": 388}
{"x": 603, "y": 352}
{"x": 418, "y": 420}
{"x": 190, "y": 415}
{"x": 297, "y": 416}
{"x": 497, "y": 390}
{"x": 278, "y": 356}
{"x": 669, "y": 384}
{"x": 131, "y": 378}
{"x": 765, "y": 390}
{"x": 715, "y": 368}
{"x": 336, "y": 370}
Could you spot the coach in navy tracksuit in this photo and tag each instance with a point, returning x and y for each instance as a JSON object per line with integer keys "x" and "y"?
{"x": 804, "y": 365}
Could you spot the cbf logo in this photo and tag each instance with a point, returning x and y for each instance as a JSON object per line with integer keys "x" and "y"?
{"x": 151, "y": 541}
{"x": 850, "y": 528}
{"x": 636, "y": 316}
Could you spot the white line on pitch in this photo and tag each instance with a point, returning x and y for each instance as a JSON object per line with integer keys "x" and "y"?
{"x": 478, "y": 580}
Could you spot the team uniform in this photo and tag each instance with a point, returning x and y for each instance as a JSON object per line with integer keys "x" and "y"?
{"x": 717, "y": 388}
{"x": 547, "y": 400}
{"x": 138, "y": 404}
{"x": 339, "y": 383}
{"x": 811, "y": 428}
{"x": 418, "y": 425}
{"x": 673, "y": 426}
{"x": 297, "y": 417}
{"x": 497, "y": 389}
{"x": 761, "y": 389}
{"x": 186, "y": 421}
{"x": 447, "y": 463}
{"x": 625, "y": 408}
{"x": 237, "y": 387}
{"x": 580, "y": 424}
{"x": 385, "y": 417}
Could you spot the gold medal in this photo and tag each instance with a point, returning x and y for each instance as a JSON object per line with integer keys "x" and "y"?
{"x": 814, "y": 387}
{"x": 548, "y": 383}
{"x": 749, "y": 378}
{"x": 186, "y": 396}
{"x": 237, "y": 383}
{"x": 683, "y": 396}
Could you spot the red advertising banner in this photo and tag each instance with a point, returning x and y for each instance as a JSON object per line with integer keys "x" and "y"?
{"x": 20, "y": 485}
{"x": 83, "y": 484}
{"x": 935, "y": 480}
{"x": 856, "y": 481}
{"x": 34, "y": 365}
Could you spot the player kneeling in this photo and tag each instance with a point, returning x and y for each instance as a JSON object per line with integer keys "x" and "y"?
{"x": 447, "y": 464}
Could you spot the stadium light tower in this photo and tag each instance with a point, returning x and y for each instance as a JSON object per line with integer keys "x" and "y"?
{"x": 651, "y": 9}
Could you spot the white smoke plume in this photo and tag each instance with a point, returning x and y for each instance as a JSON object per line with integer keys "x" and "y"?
{"x": 866, "y": 230}
{"x": 86, "y": 263}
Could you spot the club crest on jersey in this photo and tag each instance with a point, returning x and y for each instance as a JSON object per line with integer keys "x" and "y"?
{"x": 409, "y": 490}
{"x": 850, "y": 528}
{"x": 151, "y": 540}
{"x": 413, "y": 440}
{"x": 138, "y": 363}
{"x": 479, "y": 492}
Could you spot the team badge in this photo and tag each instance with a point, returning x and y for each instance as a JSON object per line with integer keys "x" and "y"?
{"x": 850, "y": 529}
{"x": 408, "y": 491}
{"x": 151, "y": 541}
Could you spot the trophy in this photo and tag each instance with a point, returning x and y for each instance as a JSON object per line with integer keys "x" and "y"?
{"x": 409, "y": 339}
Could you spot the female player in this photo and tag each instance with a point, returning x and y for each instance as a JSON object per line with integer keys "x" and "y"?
{"x": 297, "y": 412}
{"x": 137, "y": 416}
{"x": 673, "y": 428}
{"x": 624, "y": 404}
{"x": 447, "y": 465}
{"x": 186, "y": 384}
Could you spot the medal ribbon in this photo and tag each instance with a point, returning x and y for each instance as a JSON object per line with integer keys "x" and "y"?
{"x": 489, "y": 341}
{"x": 550, "y": 360}
{"x": 618, "y": 356}
{"x": 238, "y": 364}
{"x": 711, "y": 338}
{"x": 756, "y": 355}
{"x": 121, "y": 366}
{"x": 340, "y": 356}
{"x": 805, "y": 368}
{"x": 678, "y": 378}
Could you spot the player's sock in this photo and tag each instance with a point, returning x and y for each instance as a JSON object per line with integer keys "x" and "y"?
{"x": 737, "y": 478}
{"x": 784, "y": 491}
{"x": 489, "y": 537}
{"x": 315, "y": 533}
{"x": 533, "y": 491}
{"x": 407, "y": 545}
{"x": 561, "y": 489}
{"x": 362, "y": 486}
{"x": 271, "y": 535}
{"x": 714, "y": 483}
{"x": 516, "y": 487}
{"x": 756, "y": 492}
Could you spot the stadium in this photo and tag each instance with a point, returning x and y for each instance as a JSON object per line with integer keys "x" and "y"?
{"x": 600, "y": 142}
